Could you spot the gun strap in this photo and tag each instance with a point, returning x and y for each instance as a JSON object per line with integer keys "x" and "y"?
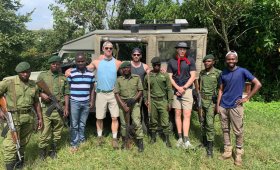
{"x": 51, "y": 78}
{"x": 5, "y": 131}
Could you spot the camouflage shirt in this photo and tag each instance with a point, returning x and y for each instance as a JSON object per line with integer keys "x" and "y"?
{"x": 19, "y": 95}
{"x": 128, "y": 88}
{"x": 208, "y": 81}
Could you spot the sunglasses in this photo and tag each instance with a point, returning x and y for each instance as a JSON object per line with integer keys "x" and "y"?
{"x": 108, "y": 48}
{"x": 136, "y": 54}
{"x": 156, "y": 64}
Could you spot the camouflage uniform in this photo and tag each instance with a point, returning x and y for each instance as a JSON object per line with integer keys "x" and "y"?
{"x": 208, "y": 86}
{"x": 53, "y": 124}
{"x": 128, "y": 88}
{"x": 161, "y": 97}
{"x": 20, "y": 100}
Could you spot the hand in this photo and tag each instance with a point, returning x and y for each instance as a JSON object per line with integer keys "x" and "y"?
{"x": 91, "y": 104}
{"x": 217, "y": 109}
{"x": 181, "y": 90}
{"x": 163, "y": 70}
{"x": 45, "y": 97}
{"x": 178, "y": 94}
{"x": 147, "y": 103}
{"x": 66, "y": 112}
{"x": 126, "y": 108}
{"x": 40, "y": 124}
{"x": 130, "y": 102}
{"x": 240, "y": 101}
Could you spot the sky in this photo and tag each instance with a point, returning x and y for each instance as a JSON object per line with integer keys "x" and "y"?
{"x": 41, "y": 17}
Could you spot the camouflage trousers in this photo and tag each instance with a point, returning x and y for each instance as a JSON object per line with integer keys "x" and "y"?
{"x": 53, "y": 126}
{"x": 208, "y": 129}
{"x": 24, "y": 124}
{"x": 136, "y": 121}
{"x": 159, "y": 116}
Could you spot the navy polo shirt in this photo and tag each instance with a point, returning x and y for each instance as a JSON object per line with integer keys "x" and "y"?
{"x": 233, "y": 82}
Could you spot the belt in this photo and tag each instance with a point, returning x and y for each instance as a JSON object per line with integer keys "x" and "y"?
{"x": 203, "y": 96}
{"x": 158, "y": 98}
{"x": 103, "y": 91}
{"x": 22, "y": 111}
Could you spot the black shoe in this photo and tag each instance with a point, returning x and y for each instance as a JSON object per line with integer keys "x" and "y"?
{"x": 203, "y": 143}
{"x": 153, "y": 138}
{"x": 140, "y": 145}
{"x": 123, "y": 142}
{"x": 42, "y": 153}
{"x": 167, "y": 141}
{"x": 209, "y": 149}
{"x": 11, "y": 166}
{"x": 53, "y": 151}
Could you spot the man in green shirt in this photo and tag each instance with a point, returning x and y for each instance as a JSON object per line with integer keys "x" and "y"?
{"x": 22, "y": 96}
{"x": 128, "y": 90}
{"x": 59, "y": 87}
{"x": 208, "y": 84}
{"x": 161, "y": 100}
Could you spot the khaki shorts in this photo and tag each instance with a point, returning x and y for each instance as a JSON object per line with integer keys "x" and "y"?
{"x": 102, "y": 101}
{"x": 185, "y": 102}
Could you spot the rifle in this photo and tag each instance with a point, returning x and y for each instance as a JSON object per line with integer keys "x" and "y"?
{"x": 129, "y": 129}
{"x": 11, "y": 126}
{"x": 199, "y": 105}
{"x": 149, "y": 98}
{"x": 54, "y": 104}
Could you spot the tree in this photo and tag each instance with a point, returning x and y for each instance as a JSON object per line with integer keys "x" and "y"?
{"x": 13, "y": 35}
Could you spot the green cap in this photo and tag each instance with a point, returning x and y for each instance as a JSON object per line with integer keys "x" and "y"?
{"x": 22, "y": 66}
{"x": 54, "y": 58}
{"x": 209, "y": 56}
{"x": 155, "y": 60}
{"x": 125, "y": 64}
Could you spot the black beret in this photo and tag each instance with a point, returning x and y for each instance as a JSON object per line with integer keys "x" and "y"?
{"x": 209, "y": 56}
{"x": 125, "y": 64}
{"x": 155, "y": 60}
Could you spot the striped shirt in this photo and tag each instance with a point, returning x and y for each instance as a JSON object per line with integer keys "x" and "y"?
{"x": 80, "y": 84}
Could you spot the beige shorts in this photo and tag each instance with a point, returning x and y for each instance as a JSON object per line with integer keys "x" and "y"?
{"x": 185, "y": 102}
{"x": 102, "y": 101}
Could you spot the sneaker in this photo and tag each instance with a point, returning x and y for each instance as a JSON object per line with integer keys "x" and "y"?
{"x": 187, "y": 145}
{"x": 74, "y": 149}
{"x": 180, "y": 142}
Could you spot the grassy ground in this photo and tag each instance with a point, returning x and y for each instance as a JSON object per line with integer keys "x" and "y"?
{"x": 262, "y": 148}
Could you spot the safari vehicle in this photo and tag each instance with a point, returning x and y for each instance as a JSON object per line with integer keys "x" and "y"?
{"x": 155, "y": 39}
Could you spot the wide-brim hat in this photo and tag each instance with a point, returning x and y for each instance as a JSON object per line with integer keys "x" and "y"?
{"x": 182, "y": 45}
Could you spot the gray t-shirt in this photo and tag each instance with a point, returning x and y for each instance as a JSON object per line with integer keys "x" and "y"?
{"x": 185, "y": 69}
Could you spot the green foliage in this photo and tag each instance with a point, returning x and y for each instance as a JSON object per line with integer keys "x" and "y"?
{"x": 13, "y": 35}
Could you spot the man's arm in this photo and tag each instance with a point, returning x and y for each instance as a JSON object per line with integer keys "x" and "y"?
{"x": 257, "y": 86}
{"x": 220, "y": 93}
{"x": 38, "y": 109}
{"x": 92, "y": 65}
{"x": 118, "y": 64}
{"x": 146, "y": 68}
{"x": 191, "y": 80}
{"x": 92, "y": 96}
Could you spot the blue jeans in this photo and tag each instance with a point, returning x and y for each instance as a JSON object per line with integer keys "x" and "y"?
{"x": 79, "y": 115}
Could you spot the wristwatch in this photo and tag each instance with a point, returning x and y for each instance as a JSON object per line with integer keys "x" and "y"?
{"x": 185, "y": 88}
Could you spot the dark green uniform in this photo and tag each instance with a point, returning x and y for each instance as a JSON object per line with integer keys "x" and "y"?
{"x": 53, "y": 124}
{"x": 161, "y": 97}
{"x": 208, "y": 85}
{"x": 20, "y": 100}
{"x": 128, "y": 88}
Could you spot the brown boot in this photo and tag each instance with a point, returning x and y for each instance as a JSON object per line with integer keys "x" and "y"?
{"x": 238, "y": 159}
{"x": 115, "y": 143}
{"x": 227, "y": 153}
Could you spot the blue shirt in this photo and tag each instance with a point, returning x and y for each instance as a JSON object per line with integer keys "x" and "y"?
{"x": 106, "y": 75}
{"x": 80, "y": 84}
{"x": 233, "y": 82}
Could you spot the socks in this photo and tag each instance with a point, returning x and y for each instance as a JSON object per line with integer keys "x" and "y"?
{"x": 99, "y": 133}
{"x": 180, "y": 135}
{"x": 186, "y": 138}
{"x": 115, "y": 135}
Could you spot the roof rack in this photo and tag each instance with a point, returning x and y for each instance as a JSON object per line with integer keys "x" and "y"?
{"x": 134, "y": 26}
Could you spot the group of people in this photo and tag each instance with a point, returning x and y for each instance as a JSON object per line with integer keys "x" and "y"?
{"x": 97, "y": 85}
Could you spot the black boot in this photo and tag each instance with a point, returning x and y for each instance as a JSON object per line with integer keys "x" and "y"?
{"x": 53, "y": 151}
{"x": 123, "y": 142}
{"x": 11, "y": 165}
{"x": 43, "y": 153}
{"x": 167, "y": 141}
{"x": 209, "y": 149}
{"x": 203, "y": 142}
{"x": 153, "y": 138}
{"x": 140, "y": 145}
